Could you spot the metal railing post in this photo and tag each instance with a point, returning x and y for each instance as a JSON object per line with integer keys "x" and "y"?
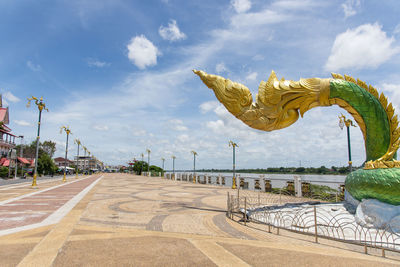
{"x": 315, "y": 224}
{"x": 228, "y": 204}
{"x": 245, "y": 210}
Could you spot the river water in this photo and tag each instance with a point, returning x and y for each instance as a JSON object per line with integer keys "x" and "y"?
{"x": 277, "y": 180}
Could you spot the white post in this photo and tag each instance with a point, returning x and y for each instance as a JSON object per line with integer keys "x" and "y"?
{"x": 297, "y": 186}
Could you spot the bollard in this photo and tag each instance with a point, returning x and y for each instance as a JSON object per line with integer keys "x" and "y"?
{"x": 209, "y": 179}
{"x": 365, "y": 249}
{"x": 383, "y": 252}
{"x": 241, "y": 183}
{"x": 223, "y": 180}
{"x": 218, "y": 178}
{"x": 315, "y": 223}
{"x": 267, "y": 186}
{"x": 257, "y": 184}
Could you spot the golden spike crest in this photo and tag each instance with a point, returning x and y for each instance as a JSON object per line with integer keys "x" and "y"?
{"x": 350, "y": 79}
{"x": 337, "y": 76}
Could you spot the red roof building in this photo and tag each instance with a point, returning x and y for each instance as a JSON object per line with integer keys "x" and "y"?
{"x": 7, "y": 139}
{"x": 60, "y": 162}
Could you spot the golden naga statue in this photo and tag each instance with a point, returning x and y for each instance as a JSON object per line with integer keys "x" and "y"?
{"x": 278, "y": 103}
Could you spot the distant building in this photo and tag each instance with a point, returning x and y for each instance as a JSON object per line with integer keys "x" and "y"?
{"x": 88, "y": 163}
{"x": 60, "y": 162}
{"x": 7, "y": 139}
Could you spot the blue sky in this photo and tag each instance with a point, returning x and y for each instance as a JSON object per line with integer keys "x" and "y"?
{"x": 119, "y": 74}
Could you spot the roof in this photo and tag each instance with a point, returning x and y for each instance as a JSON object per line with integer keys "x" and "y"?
{"x": 60, "y": 159}
{"x": 4, "y": 115}
{"x": 24, "y": 160}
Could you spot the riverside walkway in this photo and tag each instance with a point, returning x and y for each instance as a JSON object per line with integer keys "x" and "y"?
{"x": 127, "y": 220}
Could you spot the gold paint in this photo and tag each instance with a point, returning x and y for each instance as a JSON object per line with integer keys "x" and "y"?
{"x": 278, "y": 103}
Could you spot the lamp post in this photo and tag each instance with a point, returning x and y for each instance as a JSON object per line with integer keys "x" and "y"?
{"x": 68, "y": 132}
{"x": 234, "y": 145}
{"x": 141, "y": 165}
{"x": 194, "y": 165}
{"x": 88, "y": 162}
{"x": 148, "y": 161}
{"x": 78, "y": 142}
{"x": 41, "y": 106}
{"x": 84, "y": 159}
{"x": 16, "y": 161}
{"x": 163, "y": 160}
{"x": 342, "y": 122}
{"x": 173, "y": 165}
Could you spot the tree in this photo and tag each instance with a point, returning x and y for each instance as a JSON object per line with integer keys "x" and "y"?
{"x": 46, "y": 165}
{"x": 140, "y": 166}
{"x": 322, "y": 169}
{"x": 154, "y": 168}
{"x": 3, "y": 172}
{"x": 49, "y": 147}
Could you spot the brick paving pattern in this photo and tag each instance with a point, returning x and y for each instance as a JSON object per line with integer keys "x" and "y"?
{"x": 35, "y": 208}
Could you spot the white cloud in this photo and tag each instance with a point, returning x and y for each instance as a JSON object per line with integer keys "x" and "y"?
{"x": 22, "y": 123}
{"x": 366, "y": 46}
{"x": 394, "y": 91}
{"x": 10, "y": 97}
{"x": 208, "y": 106}
{"x": 139, "y": 132}
{"x": 349, "y": 7}
{"x": 220, "y": 67}
{"x": 263, "y": 17}
{"x": 177, "y": 125}
{"x": 258, "y": 57}
{"x": 92, "y": 62}
{"x": 172, "y": 32}
{"x": 294, "y": 4}
{"x": 142, "y": 52}
{"x": 252, "y": 76}
{"x": 99, "y": 127}
{"x": 33, "y": 67}
{"x": 397, "y": 29}
{"x": 241, "y": 6}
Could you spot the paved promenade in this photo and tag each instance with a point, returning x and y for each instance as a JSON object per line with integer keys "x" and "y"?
{"x": 126, "y": 220}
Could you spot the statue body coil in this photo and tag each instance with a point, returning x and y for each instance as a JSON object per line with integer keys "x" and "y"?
{"x": 279, "y": 103}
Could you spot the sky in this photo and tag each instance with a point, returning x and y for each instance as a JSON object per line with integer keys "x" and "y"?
{"x": 119, "y": 74}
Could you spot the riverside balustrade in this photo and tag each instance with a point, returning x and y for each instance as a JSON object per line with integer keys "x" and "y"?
{"x": 307, "y": 216}
{"x": 308, "y": 186}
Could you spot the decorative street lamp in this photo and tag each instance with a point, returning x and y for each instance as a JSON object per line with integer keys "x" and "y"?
{"x": 234, "y": 145}
{"x": 173, "y": 165}
{"x": 148, "y": 161}
{"x": 78, "y": 142}
{"x": 163, "y": 162}
{"x": 88, "y": 167}
{"x": 348, "y": 123}
{"x": 68, "y": 132}
{"x": 41, "y": 106}
{"x": 84, "y": 160}
{"x": 194, "y": 165}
